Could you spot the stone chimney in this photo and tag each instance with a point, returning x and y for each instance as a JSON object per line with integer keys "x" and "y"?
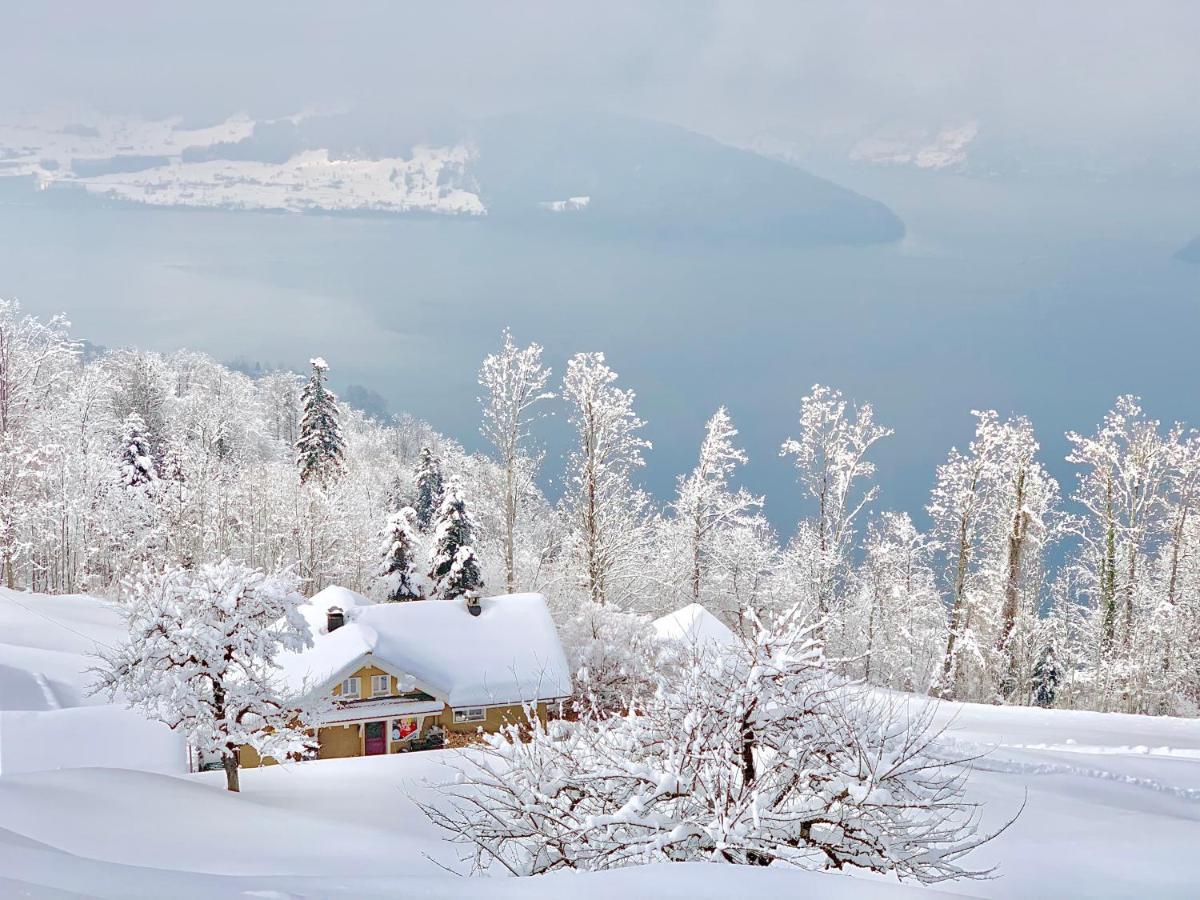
{"x": 334, "y": 619}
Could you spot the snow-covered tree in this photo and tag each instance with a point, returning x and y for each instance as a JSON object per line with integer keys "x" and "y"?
{"x": 705, "y": 506}
{"x": 137, "y": 464}
{"x": 995, "y": 511}
{"x": 320, "y": 449}
{"x": 1123, "y": 487}
{"x": 894, "y": 625}
{"x": 454, "y": 569}
{"x": 399, "y": 573}
{"x": 430, "y": 489}
{"x": 608, "y": 513}
{"x": 831, "y": 458}
{"x": 200, "y": 658}
{"x": 36, "y": 361}
{"x": 755, "y": 757}
{"x": 515, "y": 382}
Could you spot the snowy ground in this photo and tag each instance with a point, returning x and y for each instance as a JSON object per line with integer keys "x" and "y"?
{"x": 1112, "y": 804}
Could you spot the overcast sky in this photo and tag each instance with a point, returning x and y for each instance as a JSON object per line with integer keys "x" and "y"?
{"x": 1097, "y": 76}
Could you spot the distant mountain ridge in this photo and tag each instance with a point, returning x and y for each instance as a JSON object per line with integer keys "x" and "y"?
{"x": 659, "y": 179}
{"x": 1190, "y": 252}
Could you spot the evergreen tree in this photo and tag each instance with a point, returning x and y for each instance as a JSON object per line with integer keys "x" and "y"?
{"x": 1046, "y": 677}
{"x": 399, "y": 570}
{"x": 430, "y": 489}
{"x": 320, "y": 449}
{"x": 455, "y": 567}
{"x": 137, "y": 464}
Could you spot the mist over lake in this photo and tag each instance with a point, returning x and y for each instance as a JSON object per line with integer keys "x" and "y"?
{"x": 1039, "y": 296}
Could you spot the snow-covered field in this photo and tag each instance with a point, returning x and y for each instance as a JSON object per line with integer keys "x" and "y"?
{"x": 96, "y": 802}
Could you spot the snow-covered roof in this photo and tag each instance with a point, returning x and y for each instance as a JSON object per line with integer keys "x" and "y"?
{"x": 509, "y": 653}
{"x": 696, "y": 626}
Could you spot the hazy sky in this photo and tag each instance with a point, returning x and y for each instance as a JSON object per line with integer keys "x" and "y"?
{"x": 1089, "y": 77}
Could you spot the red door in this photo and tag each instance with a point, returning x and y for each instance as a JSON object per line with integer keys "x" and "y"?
{"x": 375, "y": 739}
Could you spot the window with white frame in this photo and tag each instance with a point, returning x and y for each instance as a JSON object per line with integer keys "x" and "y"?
{"x": 381, "y": 685}
{"x": 352, "y": 688}
{"x": 470, "y": 714}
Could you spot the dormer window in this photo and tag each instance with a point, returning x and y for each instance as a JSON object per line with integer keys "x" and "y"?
{"x": 381, "y": 685}
{"x": 351, "y": 688}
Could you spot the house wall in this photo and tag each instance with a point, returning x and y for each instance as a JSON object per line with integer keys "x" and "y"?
{"x": 338, "y": 741}
{"x": 364, "y": 674}
{"x": 494, "y": 718}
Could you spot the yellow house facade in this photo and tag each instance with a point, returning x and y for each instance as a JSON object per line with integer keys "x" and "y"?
{"x": 396, "y": 677}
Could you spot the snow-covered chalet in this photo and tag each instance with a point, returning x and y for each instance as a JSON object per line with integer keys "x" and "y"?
{"x": 398, "y": 676}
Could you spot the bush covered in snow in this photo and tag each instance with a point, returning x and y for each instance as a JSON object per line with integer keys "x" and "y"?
{"x": 754, "y": 756}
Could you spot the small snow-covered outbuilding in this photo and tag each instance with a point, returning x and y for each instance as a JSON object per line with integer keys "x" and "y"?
{"x": 397, "y": 675}
{"x": 696, "y": 627}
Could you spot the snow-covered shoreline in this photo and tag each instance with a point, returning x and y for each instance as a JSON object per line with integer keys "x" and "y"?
{"x": 151, "y": 162}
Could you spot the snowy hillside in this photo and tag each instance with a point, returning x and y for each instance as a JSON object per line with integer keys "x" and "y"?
{"x": 1112, "y": 803}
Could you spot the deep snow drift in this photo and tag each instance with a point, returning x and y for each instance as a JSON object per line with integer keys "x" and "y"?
{"x": 1112, "y": 804}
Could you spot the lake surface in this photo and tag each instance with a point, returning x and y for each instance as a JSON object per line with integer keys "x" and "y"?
{"x": 1040, "y": 297}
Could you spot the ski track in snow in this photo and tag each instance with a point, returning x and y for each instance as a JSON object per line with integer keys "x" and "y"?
{"x": 992, "y": 760}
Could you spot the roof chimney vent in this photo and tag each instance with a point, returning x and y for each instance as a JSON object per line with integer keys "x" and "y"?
{"x": 473, "y": 606}
{"x": 334, "y": 619}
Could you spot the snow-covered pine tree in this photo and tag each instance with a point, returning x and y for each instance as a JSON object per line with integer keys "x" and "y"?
{"x": 1046, "y": 676}
{"x": 320, "y": 449}
{"x": 430, "y": 489}
{"x": 137, "y": 464}
{"x": 200, "y": 658}
{"x": 454, "y": 569}
{"x": 398, "y": 574}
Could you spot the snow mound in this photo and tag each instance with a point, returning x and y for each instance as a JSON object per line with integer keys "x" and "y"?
{"x": 343, "y": 828}
{"x": 48, "y": 717}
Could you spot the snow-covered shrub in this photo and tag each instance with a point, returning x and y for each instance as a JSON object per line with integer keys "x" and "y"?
{"x": 200, "y": 658}
{"x": 756, "y": 757}
{"x": 612, "y": 655}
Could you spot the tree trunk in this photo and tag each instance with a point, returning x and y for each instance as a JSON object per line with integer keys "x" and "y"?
{"x": 1108, "y": 579}
{"x": 230, "y": 764}
{"x": 510, "y": 525}
{"x": 949, "y": 677}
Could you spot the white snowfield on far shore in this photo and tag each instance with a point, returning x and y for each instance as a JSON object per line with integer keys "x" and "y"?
{"x": 96, "y": 802}
{"x": 55, "y": 149}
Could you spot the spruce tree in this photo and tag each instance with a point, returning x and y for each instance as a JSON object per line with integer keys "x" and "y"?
{"x": 455, "y": 567}
{"x": 1046, "y": 676}
{"x": 398, "y": 573}
{"x": 320, "y": 449}
{"x": 429, "y": 489}
{"x": 137, "y": 465}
